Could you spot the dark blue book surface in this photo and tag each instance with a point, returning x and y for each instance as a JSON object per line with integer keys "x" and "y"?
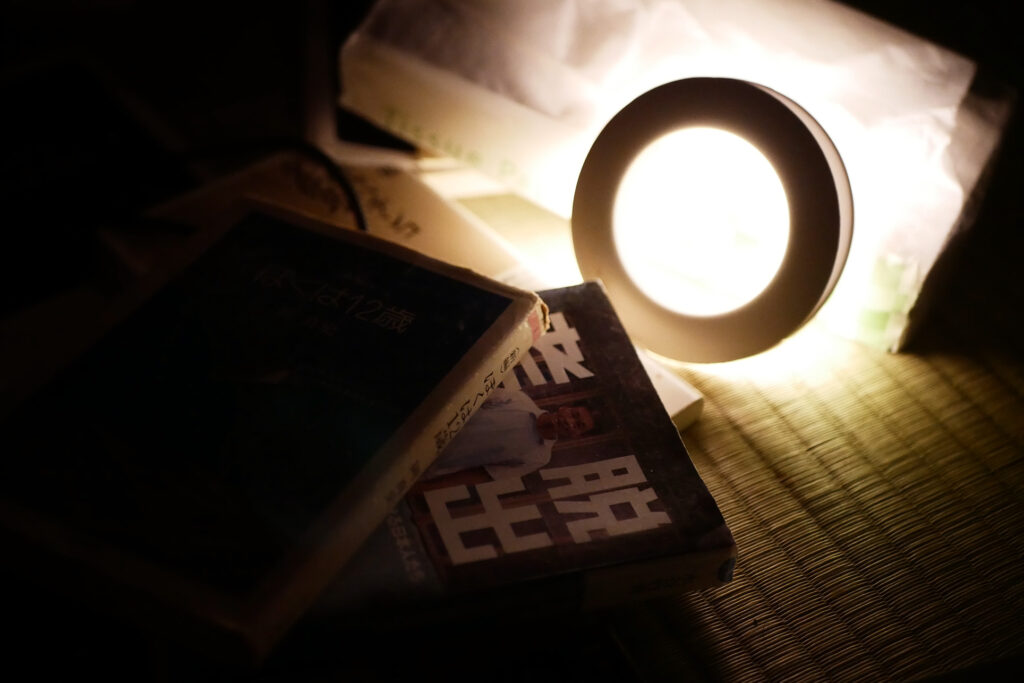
{"x": 208, "y": 437}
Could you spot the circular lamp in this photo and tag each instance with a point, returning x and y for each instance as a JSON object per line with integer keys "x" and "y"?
{"x": 714, "y": 123}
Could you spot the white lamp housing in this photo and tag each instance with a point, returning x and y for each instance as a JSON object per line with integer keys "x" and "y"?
{"x": 820, "y": 215}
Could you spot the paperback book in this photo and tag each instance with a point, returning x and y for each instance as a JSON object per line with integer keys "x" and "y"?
{"x": 212, "y": 462}
{"x": 569, "y": 489}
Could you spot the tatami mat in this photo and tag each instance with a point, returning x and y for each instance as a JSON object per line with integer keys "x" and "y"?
{"x": 876, "y": 500}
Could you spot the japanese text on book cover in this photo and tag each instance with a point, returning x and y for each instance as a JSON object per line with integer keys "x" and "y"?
{"x": 571, "y": 466}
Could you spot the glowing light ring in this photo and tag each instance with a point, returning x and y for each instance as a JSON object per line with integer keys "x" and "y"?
{"x": 820, "y": 209}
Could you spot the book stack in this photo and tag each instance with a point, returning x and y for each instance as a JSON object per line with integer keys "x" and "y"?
{"x": 286, "y": 421}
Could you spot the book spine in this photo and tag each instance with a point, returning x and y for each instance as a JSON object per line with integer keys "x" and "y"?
{"x": 499, "y": 357}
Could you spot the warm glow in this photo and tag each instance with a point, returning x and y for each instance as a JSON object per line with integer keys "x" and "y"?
{"x": 812, "y": 356}
{"x": 701, "y": 221}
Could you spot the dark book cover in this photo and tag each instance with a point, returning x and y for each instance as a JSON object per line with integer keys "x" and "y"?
{"x": 222, "y": 451}
{"x": 570, "y": 488}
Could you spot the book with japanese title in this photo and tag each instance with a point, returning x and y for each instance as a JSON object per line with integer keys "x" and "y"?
{"x": 246, "y": 420}
{"x": 570, "y": 489}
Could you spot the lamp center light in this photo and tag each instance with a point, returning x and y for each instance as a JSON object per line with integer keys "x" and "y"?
{"x": 701, "y": 221}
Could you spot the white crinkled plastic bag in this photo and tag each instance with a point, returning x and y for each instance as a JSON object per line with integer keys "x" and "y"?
{"x": 520, "y": 88}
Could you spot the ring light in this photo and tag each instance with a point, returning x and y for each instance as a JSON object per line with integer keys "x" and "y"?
{"x": 816, "y": 189}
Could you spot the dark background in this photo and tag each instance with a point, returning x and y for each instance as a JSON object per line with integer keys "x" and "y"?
{"x": 224, "y": 84}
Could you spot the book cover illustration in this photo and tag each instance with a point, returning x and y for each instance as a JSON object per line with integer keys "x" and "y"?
{"x": 570, "y": 483}
{"x": 226, "y": 447}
